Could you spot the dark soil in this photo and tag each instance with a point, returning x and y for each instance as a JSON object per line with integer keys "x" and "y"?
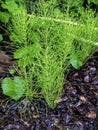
{"x": 76, "y": 110}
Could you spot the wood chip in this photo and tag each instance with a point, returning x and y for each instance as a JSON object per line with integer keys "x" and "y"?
{"x": 1, "y": 70}
{"x": 91, "y": 114}
{"x": 82, "y": 98}
{"x": 59, "y": 100}
{"x": 56, "y": 121}
{"x": 4, "y": 57}
{"x": 35, "y": 116}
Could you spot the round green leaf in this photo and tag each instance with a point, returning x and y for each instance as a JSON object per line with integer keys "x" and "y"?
{"x": 4, "y": 17}
{"x": 75, "y": 62}
{"x": 13, "y": 88}
{"x": 10, "y": 5}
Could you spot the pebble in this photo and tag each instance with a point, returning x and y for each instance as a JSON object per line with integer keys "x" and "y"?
{"x": 87, "y": 79}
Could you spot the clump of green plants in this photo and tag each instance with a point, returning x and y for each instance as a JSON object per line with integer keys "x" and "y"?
{"x": 7, "y": 7}
{"x": 48, "y": 43}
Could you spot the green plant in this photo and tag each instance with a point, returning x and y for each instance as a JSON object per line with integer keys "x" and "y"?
{"x": 21, "y": 33}
{"x": 47, "y": 43}
{"x": 53, "y": 60}
{"x": 4, "y": 18}
{"x": 38, "y": 52}
{"x": 7, "y": 8}
{"x": 87, "y": 37}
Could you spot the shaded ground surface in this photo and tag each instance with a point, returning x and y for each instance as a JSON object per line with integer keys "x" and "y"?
{"x": 77, "y": 109}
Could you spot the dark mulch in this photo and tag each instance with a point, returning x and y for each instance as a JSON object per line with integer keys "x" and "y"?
{"x": 77, "y": 109}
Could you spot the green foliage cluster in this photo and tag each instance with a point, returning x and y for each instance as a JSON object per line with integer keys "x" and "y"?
{"x": 48, "y": 42}
{"x": 8, "y": 7}
{"x": 74, "y": 6}
{"x": 93, "y": 1}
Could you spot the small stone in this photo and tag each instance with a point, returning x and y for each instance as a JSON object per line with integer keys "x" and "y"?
{"x": 92, "y": 70}
{"x": 32, "y": 109}
{"x": 87, "y": 79}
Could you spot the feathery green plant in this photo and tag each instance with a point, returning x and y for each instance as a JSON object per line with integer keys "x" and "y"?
{"x": 47, "y": 43}
{"x": 84, "y": 41}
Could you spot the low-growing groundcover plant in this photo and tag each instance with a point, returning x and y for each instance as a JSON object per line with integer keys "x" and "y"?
{"x": 48, "y": 42}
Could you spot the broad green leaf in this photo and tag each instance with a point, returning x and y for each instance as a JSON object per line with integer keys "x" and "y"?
{"x": 4, "y": 17}
{"x": 1, "y": 38}
{"x": 22, "y": 52}
{"x": 75, "y": 62}
{"x": 10, "y": 5}
{"x": 31, "y": 49}
{"x": 13, "y": 88}
{"x": 27, "y": 54}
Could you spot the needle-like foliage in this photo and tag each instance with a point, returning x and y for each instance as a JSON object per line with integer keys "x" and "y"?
{"x": 48, "y": 42}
